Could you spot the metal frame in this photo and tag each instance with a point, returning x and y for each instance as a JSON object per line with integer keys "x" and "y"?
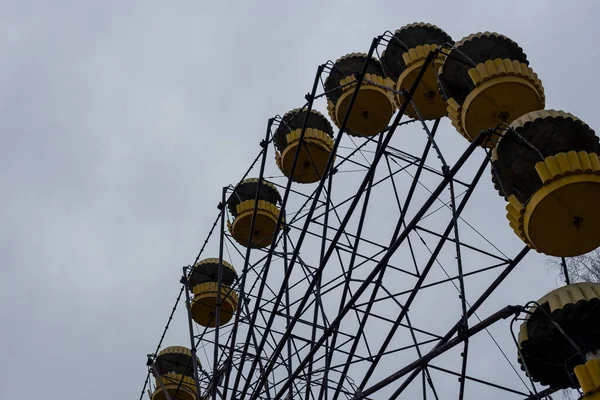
{"x": 266, "y": 359}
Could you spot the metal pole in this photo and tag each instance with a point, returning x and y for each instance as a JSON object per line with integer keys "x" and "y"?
{"x": 356, "y": 198}
{"x": 543, "y": 394}
{"x": 399, "y": 225}
{"x": 426, "y": 270}
{"x": 287, "y": 309}
{"x": 219, "y": 285}
{"x": 160, "y": 381}
{"x": 502, "y": 314}
{"x": 509, "y": 268}
{"x": 318, "y": 294}
{"x": 462, "y": 295}
{"x": 242, "y": 298}
{"x": 563, "y": 263}
{"x": 186, "y": 288}
{"x": 176, "y": 303}
{"x": 311, "y": 97}
{"x": 410, "y": 226}
{"x": 351, "y": 265}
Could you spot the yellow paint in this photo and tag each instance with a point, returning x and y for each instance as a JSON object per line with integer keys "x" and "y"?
{"x": 204, "y": 304}
{"x": 175, "y": 350}
{"x": 566, "y": 304}
{"x": 214, "y": 261}
{"x": 372, "y": 109}
{"x": 588, "y": 376}
{"x": 264, "y": 228}
{"x": 171, "y": 381}
{"x": 427, "y": 97}
{"x": 504, "y": 90}
{"x": 542, "y": 114}
{"x": 563, "y": 164}
{"x": 561, "y": 298}
{"x": 313, "y": 156}
{"x": 551, "y": 215}
{"x": 562, "y": 218}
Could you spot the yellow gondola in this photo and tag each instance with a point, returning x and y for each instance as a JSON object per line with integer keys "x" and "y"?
{"x": 546, "y": 165}
{"x": 487, "y": 82}
{"x": 548, "y": 355}
{"x": 241, "y": 207}
{"x": 315, "y": 150}
{"x": 204, "y": 283}
{"x": 174, "y": 364}
{"x": 374, "y": 105}
{"x": 402, "y": 60}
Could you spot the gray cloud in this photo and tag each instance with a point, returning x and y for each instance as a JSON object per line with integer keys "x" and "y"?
{"x": 122, "y": 121}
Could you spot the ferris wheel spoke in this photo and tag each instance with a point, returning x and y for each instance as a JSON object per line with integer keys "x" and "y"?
{"x": 402, "y": 237}
{"x": 421, "y": 279}
{"x": 491, "y": 288}
{"x": 354, "y": 287}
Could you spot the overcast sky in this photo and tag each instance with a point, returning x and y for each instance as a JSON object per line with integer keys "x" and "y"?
{"x": 122, "y": 120}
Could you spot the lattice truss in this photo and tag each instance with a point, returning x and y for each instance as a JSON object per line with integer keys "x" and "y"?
{"x": 377, "y": 282}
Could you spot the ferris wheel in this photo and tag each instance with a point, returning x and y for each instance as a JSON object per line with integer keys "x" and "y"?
{"x": 358, "y": 257}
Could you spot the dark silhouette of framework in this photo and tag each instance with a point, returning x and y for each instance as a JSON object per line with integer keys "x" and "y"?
{"x": 325, "y": 311}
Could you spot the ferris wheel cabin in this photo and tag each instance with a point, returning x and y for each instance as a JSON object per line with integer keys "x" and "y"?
{"x": 402, "y": 60}
{"x": 176, "y": 372}
{"x": 374, "y": 105}
{"x": 546, "y": 353}
{"x": 487, "y": 81}
{"x": 205, "y": 286}
{"x": 241, "y": 204}
{"x": 546, "y": 164}
{"x": 314, "y": 150}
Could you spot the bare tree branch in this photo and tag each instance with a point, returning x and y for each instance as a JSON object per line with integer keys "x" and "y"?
{"x": 584, "y": 268}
